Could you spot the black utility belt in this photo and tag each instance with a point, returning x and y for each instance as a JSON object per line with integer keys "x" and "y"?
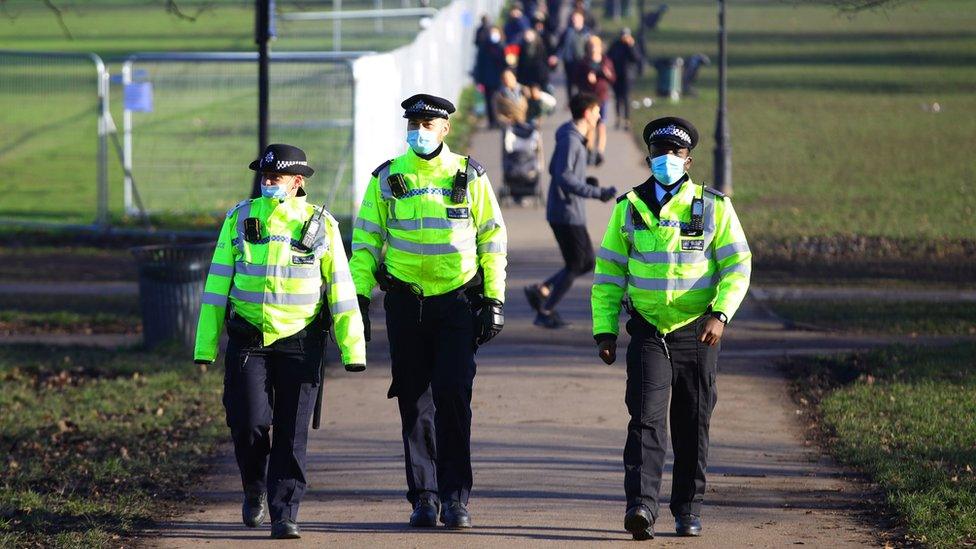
{"x": 389, "y": 283}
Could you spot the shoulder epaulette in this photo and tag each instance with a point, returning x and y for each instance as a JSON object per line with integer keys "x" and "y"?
{"x": 713, "y": 191}
{"x": 231, "y": 211}
{"x": 379, "y": 168}
{"x": 621, "y": 198}
{"x": 478, "y": 168}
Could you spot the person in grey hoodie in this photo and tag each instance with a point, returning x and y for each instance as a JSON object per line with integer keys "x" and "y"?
{"x": 565, "y": 210}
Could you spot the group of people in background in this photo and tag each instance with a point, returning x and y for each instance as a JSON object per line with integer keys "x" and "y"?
{"x": 516, "y": 61}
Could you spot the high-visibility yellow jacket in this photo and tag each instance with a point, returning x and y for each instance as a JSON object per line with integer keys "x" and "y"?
{"x": 430, "y": 241}
{"x": 276, "y": 287}
{"x": 670, "y": 279}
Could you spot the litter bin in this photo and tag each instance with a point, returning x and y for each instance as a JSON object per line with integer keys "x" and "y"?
{"x": 171, "y": 280}
{"x": 669, "y": 72}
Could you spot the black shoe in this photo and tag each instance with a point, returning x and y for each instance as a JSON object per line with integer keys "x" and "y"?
{"x": 284, "y": 529}
{"x": 455, "y": 515}
{"x": 255, "y": 508}
{"x": 425, "y": 513}
{"x": 551, "y": 321}
{"x": 534, "y": 296}
{"x": 598, "y": 159}
{"x": 639, "y": 522}
{"x": 687, "y": 525}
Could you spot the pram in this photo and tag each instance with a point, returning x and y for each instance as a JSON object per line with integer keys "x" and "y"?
{"x": 521, "y": 163}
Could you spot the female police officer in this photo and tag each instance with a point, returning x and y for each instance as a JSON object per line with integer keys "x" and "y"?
{"x": 677, "y": 251}
{"x": 279, "y": 262}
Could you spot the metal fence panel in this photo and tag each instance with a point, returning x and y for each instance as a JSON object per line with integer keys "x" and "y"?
{"x": 189, "y": 155}
{"x": 53, "y": 109}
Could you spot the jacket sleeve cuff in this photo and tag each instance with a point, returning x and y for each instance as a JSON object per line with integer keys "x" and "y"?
{"x": 600, "y": 338}
{"x": 202, "y": 361}
{"x": 355, "y": 367}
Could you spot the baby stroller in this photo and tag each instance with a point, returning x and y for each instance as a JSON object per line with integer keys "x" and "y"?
{"x": 521, "y": 163}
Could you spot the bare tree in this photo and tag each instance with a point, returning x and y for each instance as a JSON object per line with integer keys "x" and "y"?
{"x": 171, "y": 7}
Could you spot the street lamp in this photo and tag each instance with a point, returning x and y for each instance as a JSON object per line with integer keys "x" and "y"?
{"x": 262, "y": 33}
{"x": 723, "y": 144}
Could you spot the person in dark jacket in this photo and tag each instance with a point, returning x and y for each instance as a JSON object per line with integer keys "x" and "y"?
{"x": 626, "y": 59}
{"x": 572, "y": 48}
{"x": 566, "y": 212}
{"x": 488, "y": 65}
{"x": 483, "y": 32}
{"x": 533, "y": 61}
{"x": 594, "y": 74}
{"x": 516, "y": 24}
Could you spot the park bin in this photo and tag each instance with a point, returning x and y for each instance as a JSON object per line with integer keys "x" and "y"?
{"x": 171, "y": 280}
{"x": 669, "y": 72}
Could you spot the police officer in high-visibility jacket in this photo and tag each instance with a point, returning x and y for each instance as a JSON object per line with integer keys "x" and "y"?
{"x": 675, "y": 253}
{"x": 279, "y": 272}
{"x": 444, "y": 277}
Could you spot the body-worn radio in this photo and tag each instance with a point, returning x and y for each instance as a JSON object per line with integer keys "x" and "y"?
{"x": 697, "y": 225}
{"x": 459, "y": 189}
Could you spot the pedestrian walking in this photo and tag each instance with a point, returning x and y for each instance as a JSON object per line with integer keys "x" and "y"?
{"x": 487, "y": 73}
{"x": 566, "y": 212}
{"x": 594, "y": 74}
{"x": 675, "y": 255}
{"x": 627, "y": 60}
{"x": 572, "y": 48}
{"x": 279, "y": 277}
{"x": 444, "y": 277}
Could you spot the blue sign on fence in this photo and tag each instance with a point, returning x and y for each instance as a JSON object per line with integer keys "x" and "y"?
{"x": 138, "y": 97}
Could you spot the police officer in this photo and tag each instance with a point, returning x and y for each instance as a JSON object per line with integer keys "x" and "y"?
{"x": 675, "y": 252}
{"x": 280, "y": 266}
{"x": 444, "y": 277}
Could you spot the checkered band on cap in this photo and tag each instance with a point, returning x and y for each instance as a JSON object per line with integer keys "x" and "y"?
{"x": 420, "y": 106}
{"x": 285, "y": 163}
{"x": 672, "y": 131}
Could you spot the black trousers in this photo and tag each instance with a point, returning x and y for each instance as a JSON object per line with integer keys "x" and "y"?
{"x": 269, "y": 396}
{"x": 432, "y": 350}
{"x": 689, "y": 376}
{"x": 577, "y": 250}
{"x": 621, "y": 94}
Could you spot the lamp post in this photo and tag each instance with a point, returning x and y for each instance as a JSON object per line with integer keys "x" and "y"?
{"x": 262, "y": 34}
{"x": 723, "y": 144}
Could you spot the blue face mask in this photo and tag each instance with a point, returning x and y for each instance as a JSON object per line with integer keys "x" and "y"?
{"x": 422, "y": 141}
{"x": 274, "y": 191}
{"x": 667, "y": 168}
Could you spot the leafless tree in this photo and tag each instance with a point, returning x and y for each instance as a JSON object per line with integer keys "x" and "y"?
{"x": 171, "y": 7}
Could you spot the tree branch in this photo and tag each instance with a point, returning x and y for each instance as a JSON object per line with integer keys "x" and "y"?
{"x": 60, "y": 17}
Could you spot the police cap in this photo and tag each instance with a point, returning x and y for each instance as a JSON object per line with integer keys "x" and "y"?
{"x": 424, "y": 105}
{"x": 283, "y": 159}
{"x": 671, "y": 129}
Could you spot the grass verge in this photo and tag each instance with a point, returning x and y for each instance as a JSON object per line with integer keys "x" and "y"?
{"x": 98, "y": 442}
{"x": 904, "y": 415}
{"x": 887, "y": 317}
{"x": 41, "y": 313}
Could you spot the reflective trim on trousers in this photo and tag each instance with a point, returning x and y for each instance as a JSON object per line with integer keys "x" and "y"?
{"x": 423, "y": 248}
{"x": 267, "y": 298}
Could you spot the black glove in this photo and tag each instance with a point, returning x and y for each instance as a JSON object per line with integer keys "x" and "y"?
{"x": 592, "y": 181}
{"x": 491, "y": 319}
{"x": 608, "y": 194}
{"x": 364, "y": 311}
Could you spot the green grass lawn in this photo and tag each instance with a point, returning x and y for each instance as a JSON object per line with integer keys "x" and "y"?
{"x": 884, "y": 317}
{"x": 98, "y": 443}
{"x": 905, "y": 416}
{"x": 831, "y": 119}
{"x": 43, "y": 313}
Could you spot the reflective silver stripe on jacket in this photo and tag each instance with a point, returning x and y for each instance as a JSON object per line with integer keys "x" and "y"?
{"x": 612, "y": 256}
{"x": 385, "y": 191}
{"x": 465, "y": 245}
{"x": 741, "y": 268}
{"x": 221, "y": 270}
{"x": 242, "y": 214}
{"x": 492, "y": 248}
{"x": 274, "y": 298}
{"x": 669, "y": 258}
{"x": 620, "y": 281}
{"x": 338, "y": 277}
{"x": 281, "y": 271}
{"x": 368, "y": 226}
{"x": 343, "y": 306}
{"x": 489, "y": 225}
{"x": 731, "y": 249}
{"x": 673, "y": 284}
{"x": 210, "y": 298}
{"x": 427, "y": 223}
{"x": 368, "y": 247}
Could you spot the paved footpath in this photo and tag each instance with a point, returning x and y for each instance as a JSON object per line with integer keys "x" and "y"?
{"x": 549, "y": 427}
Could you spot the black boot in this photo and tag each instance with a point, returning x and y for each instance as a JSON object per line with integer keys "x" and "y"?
{"x": 639, "y": 522}
{"x": 425, "y": 512}
{"x": 284, "y": 529}
{"x": 255, "y": 508}
{"x": 455, "y": 515}
{"x": 687, "y": 525}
